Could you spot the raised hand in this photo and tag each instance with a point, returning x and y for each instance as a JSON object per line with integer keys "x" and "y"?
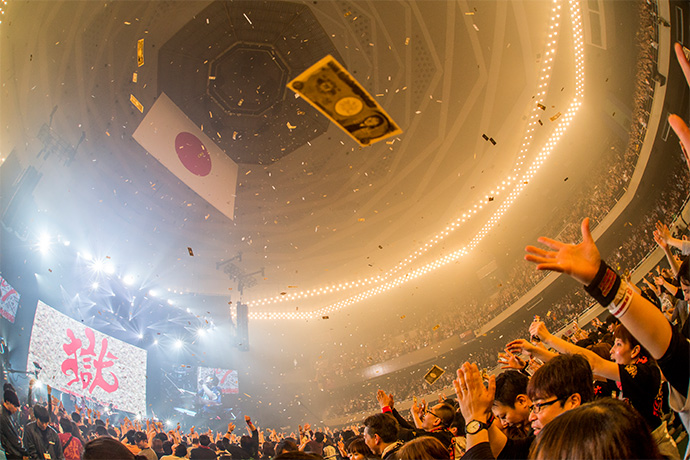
{"x": 510, "y": 361}
{"x": 384, "y": 399}
{"x": 580, "y": 261}
{"x": 231, "y": 427}
{"x": 520, "y": 346}
{"x": 538, "y": 329}
{"x": 475, "y": 399}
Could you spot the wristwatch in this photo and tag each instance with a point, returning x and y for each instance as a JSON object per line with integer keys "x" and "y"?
{"x": 475, "y": 426}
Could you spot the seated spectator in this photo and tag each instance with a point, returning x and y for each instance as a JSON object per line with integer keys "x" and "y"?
{"x": 612, "y": 428}
{"x": 71, "y": 445}
{"x": 40, "y": 439}
{"x": 203, "y": 451}
{"x": 511, "y": 403}
{"x": 179, "y": 452}
{"x": 381, "y": 435}
{"x": 357, "y": 449}
{"x": 142, "y": 442}
{"x": 423, "y": 448}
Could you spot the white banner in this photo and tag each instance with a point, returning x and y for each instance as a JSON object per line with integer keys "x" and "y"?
{"x": 79, "y": 360}
{"x": 175, "y": 141}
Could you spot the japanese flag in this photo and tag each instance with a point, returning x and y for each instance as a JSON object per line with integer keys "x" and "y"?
{"x": 175, "y": 141}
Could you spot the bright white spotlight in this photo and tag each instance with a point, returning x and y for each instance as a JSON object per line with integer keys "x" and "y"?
{"x": 141, "y": 336}
{"x": 168, "y": 423}
{"x": 108, "y": 268}
{"x": 87, "y": 256}
{"x": 201, "y": 332}
{"x": 66, "y": 242}
{"x": 94, "y": 285}
{"x": 43, "y": 242}
{"x": 128, "y": 279}
{"x": 97, "y": 265}
{"x": 178, "y": 343}
{"x": 170, "y": 302}
{"x": 155, "y": 342}
{"x": 152, "y": 293}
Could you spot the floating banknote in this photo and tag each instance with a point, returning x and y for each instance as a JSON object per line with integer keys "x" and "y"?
{"x": 330, "y": 88}
{"x": 433, "y": 374}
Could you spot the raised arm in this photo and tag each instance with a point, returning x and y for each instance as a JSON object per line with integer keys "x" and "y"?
{"x": 583, "y": 263}
{"x": 600, "y": 366}
{"x": 675, "y": 121}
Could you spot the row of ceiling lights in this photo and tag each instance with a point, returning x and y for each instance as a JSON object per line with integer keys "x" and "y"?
{"x": 520, "y": 182}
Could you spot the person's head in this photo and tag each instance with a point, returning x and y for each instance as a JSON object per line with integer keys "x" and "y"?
{"x": 66, "y": 425}
{"x": 612, "y": 429}
{"x": 626, "y": 349}
{"x": 423, "y": 448}
{"x": 106, "y": 448}
{"x": 42, "y": 416}
{"x": 357, "y": 449}
{"x": 141, "y": 440}
{"x": 129, "y": 436}
{"x": 157, "y": 445}
{"x": 458, "y": 425}
{"x": 268, "y": 450}
{"x": 246, "y": 442}
{"x": 167, "y": 447}
{"x": 318, "y": 436}
{"x": 102, "y": 431}
{"x": 511, "y": 403}
{"x": 297, "y": 455}
{"x": 563, "y": 383}
{"x": 180, "y": 450}
{"x": 380, "y": 430}
{"x": 212, "y": 380}
{"x": 11, "y": 401}
{"x": 76, "y": 418}
{"x": 162, "y": 436}
{"x": 286, "y": 445}
{"x": 195, "y": 441}
{"x": 439, "y": 416}
{"x": 204, "y": 440}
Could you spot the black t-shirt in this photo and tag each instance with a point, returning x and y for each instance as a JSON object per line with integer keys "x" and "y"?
{"x": 641, "y": 386}
{"x": 605, "y": 389}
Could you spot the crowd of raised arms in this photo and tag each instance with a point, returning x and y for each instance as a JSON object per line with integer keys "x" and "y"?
{"x": 610, "y": 392}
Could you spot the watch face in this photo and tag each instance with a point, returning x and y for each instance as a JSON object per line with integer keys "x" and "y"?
{"x": 473, "y": 427}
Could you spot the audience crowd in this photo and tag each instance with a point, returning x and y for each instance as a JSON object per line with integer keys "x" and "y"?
{"x": 618, "y": 385}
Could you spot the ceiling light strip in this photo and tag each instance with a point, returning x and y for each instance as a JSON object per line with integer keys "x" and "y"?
{"x": 517, "y": 189}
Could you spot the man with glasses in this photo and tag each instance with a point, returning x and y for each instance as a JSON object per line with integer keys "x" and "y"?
{"x": 563, "y": 383}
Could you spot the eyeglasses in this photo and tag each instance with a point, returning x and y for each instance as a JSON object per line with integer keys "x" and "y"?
{"x": 537, "y": 407}
{"x": 427, "y": 411}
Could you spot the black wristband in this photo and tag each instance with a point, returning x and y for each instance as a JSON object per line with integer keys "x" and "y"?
{"x": 604, "y": 286}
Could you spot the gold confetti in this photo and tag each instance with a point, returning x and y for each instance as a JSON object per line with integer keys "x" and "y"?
{"x": 555, "y": 117}
{"x": 191, "y": 253}
{"x": 435, "y": 327}
{"x": 140, "y": 52}
{"x": 361, "y": 219}
{"x": 136, "y": 103}
{"x": 403, "y": 316}
{"x": 407, "y": 41}
{"x": 290, "y": 126}
{"x": 134, "y": 77}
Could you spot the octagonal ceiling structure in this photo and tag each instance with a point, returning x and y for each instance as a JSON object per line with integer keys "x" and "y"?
{"x": 227, "y": 68}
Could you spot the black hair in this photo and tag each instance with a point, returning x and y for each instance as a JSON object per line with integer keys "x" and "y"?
{"x": 563, "y": 376}
{"x": 204, "y": 440}
{"x": 140, "y": 436}
{"x": 11, "y": 397}
{"x": 610, "y": 427}
{"x": 41, "y": 413}
{"x": 509, "y": 385}
{"x": 180, "y": 450}
{"x": 383, "y": 425}
{"x": 318, "y": 436}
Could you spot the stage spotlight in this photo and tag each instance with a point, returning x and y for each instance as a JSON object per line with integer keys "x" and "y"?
{"x": 86, "y": 255}
{"x": 141, "y": 336}
{"x": 38, "y": 383}
{"x": 66, "y": 242}
{"x": 178, "y": 343}
{"x": 168, "y": 423}
{"x": 94, "y": 285}
{"x": 97, "y": 265}
{"x": 43, "y": 243}
{"x": 128, "y": 279}
{"x": 201, "y": 332}
{"x": 152, "y": 293}
{"x": 155, "y": 342}
{"x": 170, "y": 302}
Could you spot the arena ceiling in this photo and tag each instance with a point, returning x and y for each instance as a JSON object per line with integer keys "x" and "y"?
{"x": 441, "y": 211}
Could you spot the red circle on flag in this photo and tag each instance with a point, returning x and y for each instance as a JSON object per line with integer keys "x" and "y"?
{"x": 193, "y": 154}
